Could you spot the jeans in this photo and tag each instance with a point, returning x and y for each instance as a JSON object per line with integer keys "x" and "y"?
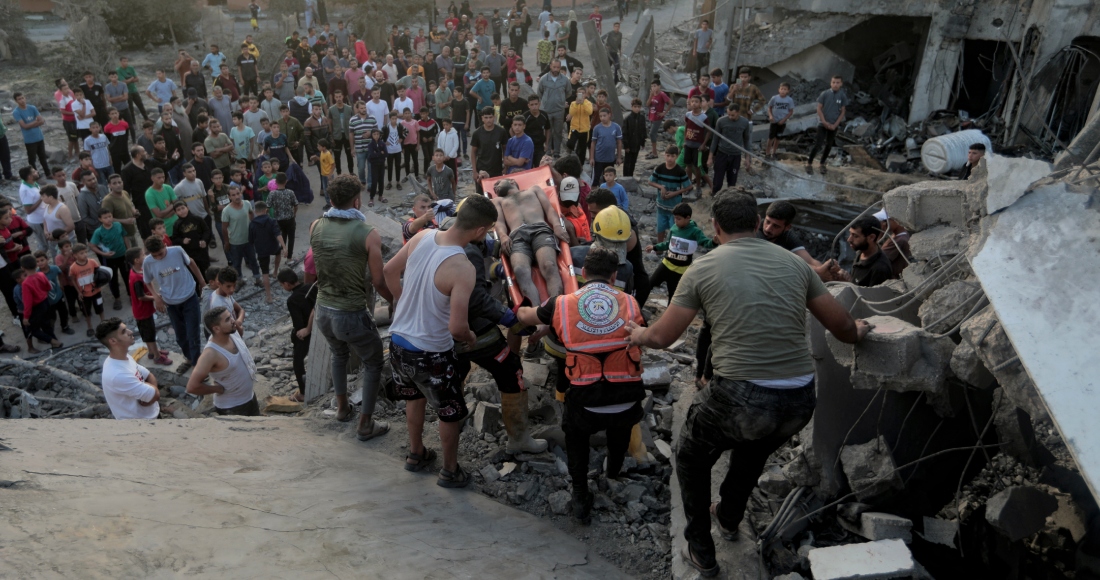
{"x": 361, "y": 163}
{"x": 37, "y": 150}
{"x": 346, "y": 331}
{"x": 662, "y": 275}
{"x": 579, "y": 424}
{"x": 39, "y": 233}
{"x": 287, "y": 228}
{"x": 5, "y": 157}
{"x": 751, "y": 421}
{"x": 824, "y": 138}
{"x": 343, "y": 146}
{"x": 557, "y": 127}
{"x": 246, "y": 253}
{"x": 187, "y": 322}
{"x": 301, "y": 349}
{"x": 726, "y": 166}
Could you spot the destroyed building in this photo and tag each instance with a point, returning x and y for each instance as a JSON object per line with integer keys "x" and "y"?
{"x": 1029, "y": 69}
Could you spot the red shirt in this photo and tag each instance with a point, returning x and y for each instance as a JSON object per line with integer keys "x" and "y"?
{"x": 657, "y": 105}
{"x": 117, "y": 129}
{"x": 599, "y": 22}
{"x": 36, "y": 288}
{"x": 142, "y": 309}
{"x": 695, "y": 91}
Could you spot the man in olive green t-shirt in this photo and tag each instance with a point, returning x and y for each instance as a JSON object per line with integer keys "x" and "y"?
{"x": 755, "y": 294}
{"x": 128, "y": 75}
{"x": 236, "y": 217}
{"x": 219, "y": 147}
{"x": 343, "y": 249}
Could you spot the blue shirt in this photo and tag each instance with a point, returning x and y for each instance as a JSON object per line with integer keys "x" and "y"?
{"x": 28, "y": 115}
{"x": 621, "y": 198}
{"x": 484, "y": 89}
{"x": 214, "y": 61}
{"x": 606, "y": 140}
{"x": 164, "y": 90}
{"x": 720, "y": 93}
{"x": 518, "y": 147}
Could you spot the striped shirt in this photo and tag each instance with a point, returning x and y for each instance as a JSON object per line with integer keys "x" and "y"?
{"x": 361, "y": 129}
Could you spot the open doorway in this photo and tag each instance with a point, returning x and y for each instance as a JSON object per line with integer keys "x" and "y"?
{"x": 984, "y": 67}
{"x": 1075, "y": 93}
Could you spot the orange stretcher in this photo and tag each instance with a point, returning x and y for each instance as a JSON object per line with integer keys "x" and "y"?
{"x": 542, "y": 177}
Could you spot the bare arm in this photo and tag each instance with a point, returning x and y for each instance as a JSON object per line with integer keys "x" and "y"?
{"x": 461, "y": 271}
{"x": 836, "y": 319}
{"x": 374, "y": 260}
{"x": 669, "y": 327}
{"x": 528, "y": 315}
{"x": 207, "y": 362}
{"x": 552, "y": 214}
{"x": 396, "y": 267}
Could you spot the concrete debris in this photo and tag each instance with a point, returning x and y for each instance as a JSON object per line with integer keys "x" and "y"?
{"x": 870, "y": 469}
{"x": 489, "y": 473}
{"x": 774, "y": 483}
{"x": 967, "y": 365}
{"x": 508, "y": 468}
{"x": 939, "y": 531}
{"x": 880, "y": 526}
{"x": 535, "y": 374}
{"x": 276, "y": 404}
{"x": 872, "y": 560}
{"x": 947, "y": 306}
{"x": 1016, "y": 433}
{"x": 656, "y": 376}
{"x": 895, "y": 356}
{"x": 664, "y": 450}
{"x": 927, "y": 204}
{"x": 791, "y": 576}
{"x": 986, "y": 335}
{"x": 1020, "y": 511}
{"x": 940, "y": 242}
{"x": 559, "y": 502}
{"x": 1009, "y": 178}
{"x": 486, "y": 418}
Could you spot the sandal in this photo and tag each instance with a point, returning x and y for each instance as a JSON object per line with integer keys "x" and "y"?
{"x": 297, "y": 397}
{"x": 686, "y": 554}
{"x": 370, "y": 203}
{"x": 162, "y": 360}
{"x": 650, "y": 156}
{"x": 728, "y": 535}
{"x": 384, "y": 200}
{"x": 459, "y": 478}
{"x": 420, "y": 461}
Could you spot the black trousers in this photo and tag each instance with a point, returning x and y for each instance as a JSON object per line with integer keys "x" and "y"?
{"x": 503, "y": 365}
{"x": 377, "y": 169}
{"x": 579, "y": 424}
{"x": 726, "y": 167}
{"x": 249, "y": 409}
{"x": 38, "y": 150}
{"x": 343, "y": 145}
{"x": 630, "y": 160}
{"x": 751, "y": 422}
{"x": 60, "y": 312}
{"x": 287, "y": 227}
{"x": 662, "y": 275}
{"x": 5, "y": 157}
{"x": 135, "y": 101}
{"x": 578, "y": 142}
{"x": 825, "y": 138}
{"x": 703, "y": 367}
{"x": 72, "y": 298}
{"x": 301, "y": 349}
{"x": 7, "y": 286}
{"x": 598, "y": 168}
{"x": 118, "y": 267}
{"x": 393, "y": 163}
{"x": 427, "y": 149}
{"x": 412, "y": 163}
{"x": 41, "y": 322}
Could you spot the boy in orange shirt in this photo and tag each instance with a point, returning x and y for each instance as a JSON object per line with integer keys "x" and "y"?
{"x": 82, "y": 273}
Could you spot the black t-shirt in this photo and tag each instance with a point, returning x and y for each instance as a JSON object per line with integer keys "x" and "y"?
{"x": 248, "y": 67}
{"x": 197, "y": 82}
{"x": 300, "y": 304}
{"x": 458, "y": 111}
{"x": 490, "y": 149}
{"x": 94, "y": 94}
{"x": 872, "y": 271}
{"x": 788, "y": 240}
{"x": 536, "y": 129}
{"x": 510, "y": 110}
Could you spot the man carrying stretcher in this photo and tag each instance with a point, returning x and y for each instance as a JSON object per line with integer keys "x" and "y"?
{"x": 526, "y": 237}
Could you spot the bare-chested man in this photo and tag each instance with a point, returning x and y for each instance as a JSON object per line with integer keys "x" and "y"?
{"x": 526, "y": 237}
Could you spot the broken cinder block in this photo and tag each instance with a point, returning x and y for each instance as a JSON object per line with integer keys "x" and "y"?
{"x": 1020, "y": 511}
{"x": 896, "y": 356}
{"x": 487, "y": 418}
{"x": 927, "y": 204}
{"x": 877, "y": 526}
{"x": 870, "y": 469}
{"x": 882, "y": 559}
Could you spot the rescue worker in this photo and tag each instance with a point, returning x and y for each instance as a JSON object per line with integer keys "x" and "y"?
{"x": 604, "y": 389}
{"x": 576, "y": 222}
{"x": 491, "y": 351}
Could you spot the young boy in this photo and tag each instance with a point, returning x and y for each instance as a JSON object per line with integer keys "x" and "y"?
{"x": 110, "y": 242}
{"x": 634, "y": 130}
{"x": 672, "y": 182}
{"x": 442, "y": 182}
{"x": 236, "y": 218}
{"x": 684, "y": 239}
{"x": 218, "y": 197}
{"x": 621, "y": 199}
{"x": 423, "y": 218}
{"x": 460, "y": 119}
{"x": 327, "y": 164}
{"x": 409, "y": 145}
{"x": 159, "y": 198}
{"x": 141, "y": 302}
{"x": 376, "y": 156}
{"x": 18, "y": 276}
{"x": 98, "y": 146}
{"x": 35, "y": 288}
{"x": 82, "y": 272}
{"x": 57, "y": 295}
{"x": 211, "y": 275}
{"x": 659, "y": 105}
{"x": 223, "y": 296}
{"x": 300, "y": 304}
{"x": 267, "y": 175}
{"x": 242, "y": 137}
{"x": 192, "y": 235}
{"x": 576, "y": 222}
{"x": 64, "y": 261}
{"x": 780, "y": 109}
{"x": 156, "y": 225}
{"x": 264, "y": 234}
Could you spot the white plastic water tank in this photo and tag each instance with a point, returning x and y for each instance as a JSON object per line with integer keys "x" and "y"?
{"x": 948, "y": 152}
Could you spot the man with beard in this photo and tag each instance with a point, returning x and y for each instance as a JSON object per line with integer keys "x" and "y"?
{"x": 776, "y": 228}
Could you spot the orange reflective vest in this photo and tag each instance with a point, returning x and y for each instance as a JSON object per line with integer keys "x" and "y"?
{"x": 580, "y": 224}
{"x": 591, "y": 324}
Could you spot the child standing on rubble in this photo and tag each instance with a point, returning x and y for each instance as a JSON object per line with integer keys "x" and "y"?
{"x": 780, "y": 109}
{"x": 684, "y": 238}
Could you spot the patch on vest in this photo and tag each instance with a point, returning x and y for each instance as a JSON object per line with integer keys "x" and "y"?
{"x": 599, "y": 314}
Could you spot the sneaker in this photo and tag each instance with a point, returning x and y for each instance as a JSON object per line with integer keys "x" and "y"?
{"x": 389, "y": 186}
{"x": 118, "y": 304}
{"x": 184, "y": 367}
{"x": 809, "y": 169}
{"x": 257, "y": 280}
{"x": 398, "y": 187}
{"x": 162, "y": 360}
{"x": 68, "y": 330}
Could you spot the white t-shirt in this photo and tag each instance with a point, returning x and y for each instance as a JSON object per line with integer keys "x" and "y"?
{"x": 380, "y": 111}
{"x": 87, "y": 109}
{"x": 400, "y": 105}
{"x": 29, "y": 196}
{"x": 124, "y": 385}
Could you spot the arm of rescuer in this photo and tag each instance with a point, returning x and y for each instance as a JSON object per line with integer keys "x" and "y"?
{"x": 482, "y": 303}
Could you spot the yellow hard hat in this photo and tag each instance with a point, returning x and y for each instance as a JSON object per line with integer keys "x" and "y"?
{"x": 612, "y": 224}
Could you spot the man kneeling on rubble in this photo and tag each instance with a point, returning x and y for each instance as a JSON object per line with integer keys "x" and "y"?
{"x": 526, "y": 237}
{"x": 604, "y": 371}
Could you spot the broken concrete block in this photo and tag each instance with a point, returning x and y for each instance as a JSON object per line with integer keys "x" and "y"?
{"x": 877, "y": 526}
{"x": 487, "y": 418}
{"x": 870, "y": 469}
{"x": 967, "y": 365}
{"x": 1016, "y": 432}
{"x": 664, "y": 450}
{"x": 274, "y": 404}
{"x": 996, "y": 352}
{"x": 1008, "y": 179}
{"x": 927, "y": 204}
{"x": 528, "y": 489}
{"x": 896, "y": 356}
{"x": 1020, "y": 511}
{"x": 882, "y": 559}
{"x": 553, "y": 434}
{"x": 939, "y": 531}
{"x": 535, "y": 374}
{"x": 940, "y": 241}
{"x": 490, "y": 473}
{"x": 509, "y": 467}
{"x": 895, "y": 162}
{"x": 559, "y": 502}
{"x": 945, "y": 307}
{"x": 656, "y": 377}
{"x": 773, "y": 483}
{"x": 799, "y": 472}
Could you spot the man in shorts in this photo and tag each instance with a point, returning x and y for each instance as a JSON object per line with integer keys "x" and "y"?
{"x": 526, "y": 237}
{"x": 431, "y": 280}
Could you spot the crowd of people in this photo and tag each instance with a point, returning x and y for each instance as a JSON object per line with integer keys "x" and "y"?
{"x": 221, "y": 157}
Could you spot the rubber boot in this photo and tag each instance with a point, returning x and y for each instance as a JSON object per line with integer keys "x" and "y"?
{"x": 637, "y": 449}
{"x": 513, "y": 407}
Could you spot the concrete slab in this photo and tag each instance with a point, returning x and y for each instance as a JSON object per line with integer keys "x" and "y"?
{"x": 872, "y": 560}
{"x": 1009, "y": 178}
{"x": 1052, "y": 325}
{"x": 235, "y": 498}
{"x": 926, "y": 204}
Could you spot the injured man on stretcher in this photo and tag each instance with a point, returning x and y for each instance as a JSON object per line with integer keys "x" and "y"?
{"x": 527, "y": 238}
